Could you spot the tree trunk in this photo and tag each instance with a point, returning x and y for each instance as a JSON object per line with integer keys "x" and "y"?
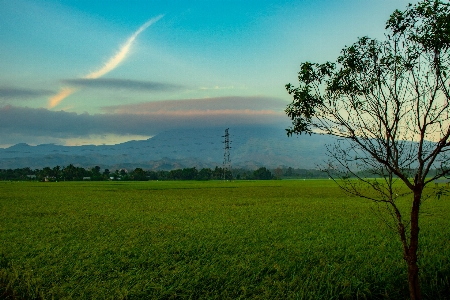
{"x": 411, "y": 253}
{"x": 413, "y": 281}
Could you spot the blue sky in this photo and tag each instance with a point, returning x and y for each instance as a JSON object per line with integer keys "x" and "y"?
{"x": 199, "y": 63}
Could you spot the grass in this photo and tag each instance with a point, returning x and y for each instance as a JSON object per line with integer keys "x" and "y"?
{"x": 218, "y": 240}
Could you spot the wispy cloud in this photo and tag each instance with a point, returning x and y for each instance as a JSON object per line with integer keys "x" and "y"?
{"x": 63, "y": 93}
{"x": 21, "y": 93}
{"x": 218, "y": 88}
{"x": 110, "y": 65}
{"x": 209, "y": 105}
{"x": 122, "y": 84}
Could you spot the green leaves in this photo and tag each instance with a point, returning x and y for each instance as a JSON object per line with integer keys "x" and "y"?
{"x": 416, "y": 45}
{"x": 307, "y": 73}
{"x": 427, "y": 24}
{"x": 307, "y": 101}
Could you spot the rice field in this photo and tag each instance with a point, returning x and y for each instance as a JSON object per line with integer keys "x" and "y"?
{"x": 283, "y": 239}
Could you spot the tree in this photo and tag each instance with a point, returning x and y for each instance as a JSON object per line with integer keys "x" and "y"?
{"x": 262, "y": 174}
{"x": 204, "y": 174}
{"x": 106, "y": 173}
{"x": 176, "y": 174}
{"x": 57, "y": 172}
{"x": 116, "y": 175}
{"x": 95, "y": 173}
{"x": 139, "y": 175}
{"x": 189, "y": 173}
{"x": 217, "y": 173}
{"x": 152, "y": 175}
{"x": 69, "y": 172}
{"x": 387, "y": 102}
{"x": 278, "y": 172}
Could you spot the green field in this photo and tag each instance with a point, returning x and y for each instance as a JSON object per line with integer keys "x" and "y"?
{"x": 221, "y": 240}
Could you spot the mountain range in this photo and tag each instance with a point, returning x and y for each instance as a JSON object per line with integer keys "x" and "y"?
{"x": 251, "y": 147}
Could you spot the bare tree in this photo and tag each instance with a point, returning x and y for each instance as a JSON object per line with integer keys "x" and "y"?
{"x": 387, "y": 102}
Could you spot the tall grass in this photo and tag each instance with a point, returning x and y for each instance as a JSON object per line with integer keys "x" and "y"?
{"x": 218, "y": 240}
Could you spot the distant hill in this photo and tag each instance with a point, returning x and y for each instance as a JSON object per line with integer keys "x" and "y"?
{"x": 252, "y": 147}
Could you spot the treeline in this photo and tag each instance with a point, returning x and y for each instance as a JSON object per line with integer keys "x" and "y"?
{"x": 72, "y": 173}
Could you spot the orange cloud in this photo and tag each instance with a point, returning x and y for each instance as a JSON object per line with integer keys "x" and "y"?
{"x": 65, "y": 92}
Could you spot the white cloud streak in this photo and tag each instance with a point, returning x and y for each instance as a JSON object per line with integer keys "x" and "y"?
{"x": 114, "y": 61}
{"x": 110, "y": 65}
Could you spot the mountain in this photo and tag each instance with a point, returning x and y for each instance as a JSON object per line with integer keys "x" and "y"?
{"x": 251, "y": 147}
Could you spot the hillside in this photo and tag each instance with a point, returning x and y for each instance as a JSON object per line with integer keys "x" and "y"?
{"x": 252, "y": 147}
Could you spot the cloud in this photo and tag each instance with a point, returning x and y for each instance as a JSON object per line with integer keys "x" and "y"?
{"x": 113, "y": 83}
{"x": 208, "y": 105}
{"x": 114, "y": 61}
{"x": 63, "y": 93}
{"x": 218, "y": 88}
{"x": 22, "y": 93}
{"x": 110, "y": 65}
{"x": 128, "y": 120}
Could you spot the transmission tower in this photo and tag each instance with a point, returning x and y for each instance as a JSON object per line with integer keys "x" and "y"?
{"x": 226, "y": 155}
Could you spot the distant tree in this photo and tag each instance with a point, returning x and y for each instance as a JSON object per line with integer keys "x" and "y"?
{"x": 57, "y": 172}
{"x": 123, "y": 174}
{"x": 289, "y": 172}
{"x": 163, "y": 175}
{"x": 139, "y": 174}
{"x": 189, "y": 174}
{"x": 46, "y": 173}
{"x": 217, "y": 173}
{"x": 69, "y": 172}
{"x": 95, "y": 174}
{"x": 17, "y": 174}
{"x": 278, "y": 173}
{"x": 106, "y": 173}
{"x": 204, "y": 174}
{"x": 388, "y": 102}
{"x": 176, "y": 174}
{"x": 262, "y": 174}
{"x": 151, "y": 175}
{"x": 81, "y": 173}
{"x": 116, "y": 175}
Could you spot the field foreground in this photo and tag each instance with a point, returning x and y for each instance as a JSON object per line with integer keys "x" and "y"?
{"x": 222, "y": 240}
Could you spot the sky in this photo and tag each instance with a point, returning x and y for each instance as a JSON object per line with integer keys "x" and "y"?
{"x": 76, "y": 72}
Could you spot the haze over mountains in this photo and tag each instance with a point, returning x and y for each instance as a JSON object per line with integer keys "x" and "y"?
{"x": 251, "y": 147}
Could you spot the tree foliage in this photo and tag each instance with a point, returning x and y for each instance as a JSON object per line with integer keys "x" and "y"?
{"x": 387, "y": 102}
{"x": 73, "y": 173}
{"x": 262, "y": 174}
